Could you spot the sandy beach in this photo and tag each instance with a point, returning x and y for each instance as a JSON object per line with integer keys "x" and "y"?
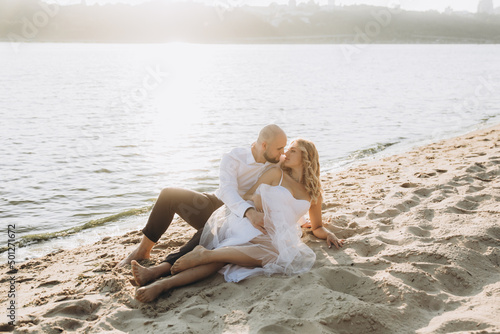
{"x": 422, "y": 255}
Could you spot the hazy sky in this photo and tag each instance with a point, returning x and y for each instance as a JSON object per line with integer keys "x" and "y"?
{"x": 440, "y": 5}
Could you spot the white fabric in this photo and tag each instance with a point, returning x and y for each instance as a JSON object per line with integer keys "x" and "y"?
{"x": 238, "y": 173}
{"x": 281, "y": 250}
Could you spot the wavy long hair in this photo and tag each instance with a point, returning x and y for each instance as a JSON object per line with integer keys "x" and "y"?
{"x": 310, "y": 164}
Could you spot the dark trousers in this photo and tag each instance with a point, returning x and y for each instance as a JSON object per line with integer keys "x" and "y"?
{"x": 194, "y": 207}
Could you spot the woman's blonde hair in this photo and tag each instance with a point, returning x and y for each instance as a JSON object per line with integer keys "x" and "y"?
{"x": 310, "y": 163}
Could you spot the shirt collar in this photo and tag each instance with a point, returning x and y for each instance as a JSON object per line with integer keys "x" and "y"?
{"x": 251, "y": 159}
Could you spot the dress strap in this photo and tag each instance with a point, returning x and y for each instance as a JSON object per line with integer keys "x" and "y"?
{"x": 281, "y": 177}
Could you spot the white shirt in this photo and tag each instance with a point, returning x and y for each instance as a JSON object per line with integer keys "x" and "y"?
{"x": 238, "y": 173}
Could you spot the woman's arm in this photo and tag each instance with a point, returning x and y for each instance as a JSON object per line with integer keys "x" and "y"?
{"x": 253, "y": 214}
{"x": 317, "y": 227}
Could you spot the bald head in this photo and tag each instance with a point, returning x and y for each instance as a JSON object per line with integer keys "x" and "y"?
{"x": 271, "y": 143}
{"x": 269, "y": 133}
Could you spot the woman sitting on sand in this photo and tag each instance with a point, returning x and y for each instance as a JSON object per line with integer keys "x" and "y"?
{"x": 238, "y": 250}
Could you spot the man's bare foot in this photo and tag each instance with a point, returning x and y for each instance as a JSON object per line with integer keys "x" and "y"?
{"x": 150, "y": 292}
{"x": 192, "y": 259}
{"x": 140, "y": 253}
{"x": 135, "y": 255}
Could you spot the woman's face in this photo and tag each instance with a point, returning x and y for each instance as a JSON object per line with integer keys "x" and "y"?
{"x": 293, "y": 156}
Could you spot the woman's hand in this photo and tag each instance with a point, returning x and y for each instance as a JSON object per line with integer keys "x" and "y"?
{"x": 331, "y": 239}
{"x": 257, "y": 201}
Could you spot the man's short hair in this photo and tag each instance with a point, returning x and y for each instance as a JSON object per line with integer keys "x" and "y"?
{"x": 269, "y": 132}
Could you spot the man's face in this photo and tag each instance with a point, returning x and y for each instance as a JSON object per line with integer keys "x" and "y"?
{"x": 275, "y": 149}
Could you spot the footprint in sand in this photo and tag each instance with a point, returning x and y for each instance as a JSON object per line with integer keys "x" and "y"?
{"x": 467, "y": 204}
{"x": 349, "y": 282}
{"x": 356, "y": 320}
{"x": 389, "y": 241}
{"x": 417, "y": 231}
{"x": 478, "y": 198}
{"x": 461, "y": 325}
{"x": 494, "y": 232}
{"x": 476, "y": 168}
{"x": 408, "y": 204}
{"x": 451, "y": 278}
{"x": 417, "y": 257}
{"x": 486, "y": 177}
{"x": 425, "y": 214}
{"x": 359, "y": 213}
{"x": 449, "y": 188}
{"x": 61, "y": 325}
{"x": 416, "y": 278}
{"x": 473, "y": 189}
{"x": 494, "y": 160}
{"x": 198, "y": 312}
{"x": 340, "y": 280}
{"x": 389, "y": 213}
{"x": 493, "y": 255}
{"x": 438, "y": 198}
{"x": 455, "y": 280}
{"x": 288, "y": 328}
{"x": 424, "y": 192}
{"x": 49, "y": 284}
{"x": 329, "y": 205}
{"x": 459, "y": 211}
{"x": 482, "y": 244}
{"x": 423, "y": 175}
{"x": 475, "y": 155}
{"x": 368, "y": 247}
{"x": 409, "y": 185}
{"x": 74, "y": 308}
{"x": 110, "y": 283}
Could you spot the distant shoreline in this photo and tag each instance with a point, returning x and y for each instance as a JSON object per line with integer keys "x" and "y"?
{"x": 160, "y": 22}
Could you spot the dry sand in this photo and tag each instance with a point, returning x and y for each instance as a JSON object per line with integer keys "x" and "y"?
{"x": 422, "y": 256}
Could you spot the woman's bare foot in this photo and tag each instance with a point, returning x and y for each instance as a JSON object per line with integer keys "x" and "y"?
{"x": 142, "y": 275}
{"x": 192, "y": 259}
{"x": 150, "y": 292}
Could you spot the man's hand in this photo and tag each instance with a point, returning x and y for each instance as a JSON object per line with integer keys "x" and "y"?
{"x": 257, "y": 201}
{"x": 331, "y": 239}
{"x": 257, "y": 219}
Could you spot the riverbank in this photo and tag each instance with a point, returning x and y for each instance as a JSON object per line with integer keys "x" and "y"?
{"x": 422, "y": 255}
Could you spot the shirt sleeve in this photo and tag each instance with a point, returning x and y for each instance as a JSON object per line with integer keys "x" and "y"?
{"x": 228, "y": 187}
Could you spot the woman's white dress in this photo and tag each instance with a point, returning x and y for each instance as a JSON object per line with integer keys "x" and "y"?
{"x": 281, "y": 249}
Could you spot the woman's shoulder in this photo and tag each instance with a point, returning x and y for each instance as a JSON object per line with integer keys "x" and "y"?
{"x": 274, "y": 171}
{"x": 271, "y": 176}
